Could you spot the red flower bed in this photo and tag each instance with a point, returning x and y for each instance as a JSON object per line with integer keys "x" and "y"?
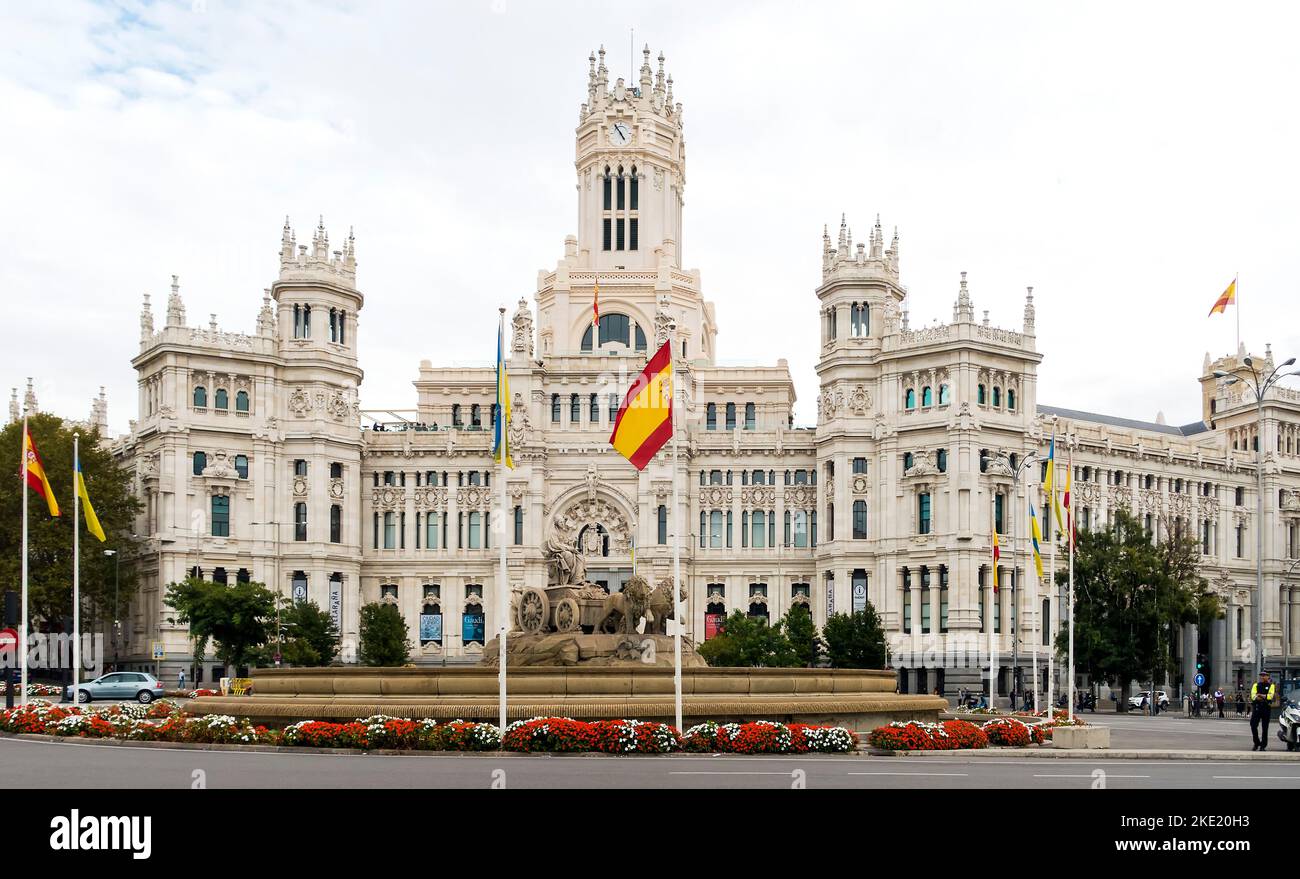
{"x": 460, "y": 735}
{"x": 551, "y": 734}
{"x": 911, "y": 736}
{"x": 631, "y": 736}
{"x": 965, "y": 734}
{"x": 1012, "y": 733}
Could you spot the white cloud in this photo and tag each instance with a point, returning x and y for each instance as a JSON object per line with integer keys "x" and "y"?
{"x": 1124, "y": 160}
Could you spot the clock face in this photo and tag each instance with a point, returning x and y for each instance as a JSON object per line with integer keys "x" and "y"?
{"x": 620, "y": 134}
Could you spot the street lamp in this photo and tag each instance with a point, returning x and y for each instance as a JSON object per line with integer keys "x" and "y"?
{"x": 1286, "y": 628}
{"x": 1016, "y": 470}
{"x": 1254, "y": 380}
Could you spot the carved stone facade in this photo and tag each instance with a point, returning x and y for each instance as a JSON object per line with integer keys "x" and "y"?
{"x": 888, "y": 497}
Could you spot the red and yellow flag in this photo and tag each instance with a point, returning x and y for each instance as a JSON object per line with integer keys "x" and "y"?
{"x": 36, "y": 473}
{"x": 1228, "y": 297}
{"x": 645, "y": 420}
{"x": 595, "y": 309}
{"x": 996, "y": 555}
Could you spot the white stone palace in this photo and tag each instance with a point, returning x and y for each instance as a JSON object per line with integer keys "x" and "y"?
{"x": 253, "y": 459}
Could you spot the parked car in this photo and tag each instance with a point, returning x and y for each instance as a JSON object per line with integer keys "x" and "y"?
{"x": 1135, "y": 702}
{"x": 1288, "y": 722}
{"x": 137, "y": 685}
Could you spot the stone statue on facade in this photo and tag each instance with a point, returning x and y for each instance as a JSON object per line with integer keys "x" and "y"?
{"x": 564, "y": 564}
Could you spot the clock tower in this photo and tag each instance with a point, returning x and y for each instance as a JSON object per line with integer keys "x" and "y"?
{"x": 631, "y": 163}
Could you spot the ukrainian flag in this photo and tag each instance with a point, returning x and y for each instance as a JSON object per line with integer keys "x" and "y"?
{"x": 501, "y": 440}
{"x": 1034, "y": 538}
{"x": 92, "y": 521}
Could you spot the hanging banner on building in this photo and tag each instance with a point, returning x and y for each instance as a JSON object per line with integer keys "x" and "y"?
{"x": 336, "y": 604}
{"x": 431, "y": 627}
{"x": 830, "y": 597}
{"x": 713, "y": 624}
{"x": 472, "y": 628}
{"x": 859, "y": 597}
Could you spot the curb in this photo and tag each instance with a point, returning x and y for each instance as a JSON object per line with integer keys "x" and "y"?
{"x": 1048, "y": 753}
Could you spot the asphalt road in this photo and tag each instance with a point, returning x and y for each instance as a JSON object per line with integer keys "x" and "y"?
{"x": 26, "y": 763}
{"x": 1175, "y": 732}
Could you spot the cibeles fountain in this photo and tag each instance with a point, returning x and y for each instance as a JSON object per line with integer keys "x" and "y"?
{"x": 577, "y": 650}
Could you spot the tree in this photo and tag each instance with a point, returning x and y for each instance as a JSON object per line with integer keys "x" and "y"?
{"x": 384, "y": 640}
{"x": 308, "y": 636}
{"x": 749, "y": 642}
{"x": 855, "y": 640}
{"x": 238, "y": 618}
{"x": 1131, "y": 595}
{"x": 802, "y": 633}
{"x": 50, "y": 539}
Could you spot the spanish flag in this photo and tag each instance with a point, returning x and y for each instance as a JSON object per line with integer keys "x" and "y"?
{"x": 36, "y": 473}
{"x": 997, "y": 554}
{"x": 645, "y": 419}
{"x": 595, "y": 309}
{"x": 92, "y": 521}
{"x": 1228, "y": 297}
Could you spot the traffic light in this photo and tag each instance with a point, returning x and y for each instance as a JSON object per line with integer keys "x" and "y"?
{"x": 1200, "y": 662}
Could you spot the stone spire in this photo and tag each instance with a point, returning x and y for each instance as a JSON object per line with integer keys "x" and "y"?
{"x": 645, "y": 72}
{"x": 1029, "y": 310}
{"x": 288, "y": 244}
{"x": 602, "y": 75}
{"x": 14, "y": 412}
{"x": 29, "y": 399}
{"x": 350, "y": 251}
{"x": 877, "y": 240}
{"x": 659, "y": 82}
{"x": 146, "y": 321}
{"x": 99, "y": 413}
{"x": 175, "y": 306}
{"x": 591, "y": 79}
{"x": 266, "y": 317}
{"x": 963, "y": 311}
{"x": 320, "y": 242}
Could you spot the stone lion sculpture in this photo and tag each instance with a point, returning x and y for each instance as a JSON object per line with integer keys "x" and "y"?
{"x": 626, "y": 608}
{"x": 564, "y": 564}
{"x": 661, "y": 605}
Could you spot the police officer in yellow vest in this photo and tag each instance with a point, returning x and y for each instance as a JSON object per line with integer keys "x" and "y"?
{"x": 1262, "y": 693}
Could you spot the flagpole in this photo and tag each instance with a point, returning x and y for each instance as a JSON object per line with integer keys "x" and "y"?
{"x": 1069, "y": 533}
{"x": 1236, "y": 289}
{"x": 678, "y": 609}
{"x": 76, "y": 564}
{"x": 22, "y": 629}
{"x": 1038, "y": 611}
{"x": 993, "y": 604}
{"x": 503, "y": 582}
{"x": 1051, "y": 582}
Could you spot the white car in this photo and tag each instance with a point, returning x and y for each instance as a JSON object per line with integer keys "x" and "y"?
{"x": 1135, "y": 702}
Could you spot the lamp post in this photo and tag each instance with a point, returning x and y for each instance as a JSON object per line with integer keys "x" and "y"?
{"x": 1286, "y": 628}
{"x": 1260, "y": 384}
{"x": 117, "y": 579}
{"x": 1019, "y": 467}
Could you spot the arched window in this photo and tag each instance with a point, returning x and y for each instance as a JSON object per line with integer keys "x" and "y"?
{"x": 1011, "y": 399}
{"x": 997, "y": 397}
{"x": 979, "y": 395}
{"x": 908, "y": 461}
{"x": 749, "y": 416}
{"x": 200, "y": 397}
{"x": 943, "y": 395}
{"x": 615, "y": 328}
{"x": 640, "y": 334}
{"x": 575, "y": 408}
{"x": 455, "y": 415}
{"x": 475, "y": 415}
{"x": 555, "y": 408}
{"x": 221, "y": 399}
{"x": 241, "y": 401}
{"x": 241, "y": 466}
{"x": 593, "y": 409}
{"x": 909, "y": 399}
{"x": 731, "y": 416}
{"x": 586, "y": 339}
{"x": 711, "y": 416}
{"x": 927, "y": 397}
{"x": 200, "y": 463}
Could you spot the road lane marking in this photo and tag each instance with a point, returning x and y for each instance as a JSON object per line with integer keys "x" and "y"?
{"x": 702, "y": 772}
{"x": 1108, "y": 775}
{"x": 1260, "y": 777}
{"x": 923, "y": 774}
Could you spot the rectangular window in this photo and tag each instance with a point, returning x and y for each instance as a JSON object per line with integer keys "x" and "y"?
{"x": 923, "y": 513}
{"x": 635, "y": 194}
{"x": 220, "y": 516}
{"x": 998, "y": 524}
{"x": 715, "y": 529}
{"x": 801, "y": 528}
{"x": 431, "y": 530}
{"x": 859, "y": 465}
{"x": 632, "y": 234}
{"x": 300, "y": 521}
{"x": 299, "y": 467}
{"x": 336, "y": 524}
{"x": 757, "y": 529}
{"x": 605, "y": 233}
{"x": 390, "y": 530}
{"x": 376, "y": 530}
{"x": 519, "y": 526}
{"x": 474, "y": 530}
{"x": 618, "y": 237}
{"x": 1241, "y": 541}
{"x": 401, "y": 531}
{"x": 662, "y": 525}
{"x": 621, "y": 194}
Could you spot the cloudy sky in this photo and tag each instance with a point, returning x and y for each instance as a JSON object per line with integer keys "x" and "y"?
{"x": 1126, "y": 160}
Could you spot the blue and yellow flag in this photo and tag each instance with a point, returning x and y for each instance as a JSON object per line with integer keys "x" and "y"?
{"x": 501, "y": 441}
{"x": 1049, "y": 484}
{"x": 92, "y": 521}
{"x": 1034, "y": 538}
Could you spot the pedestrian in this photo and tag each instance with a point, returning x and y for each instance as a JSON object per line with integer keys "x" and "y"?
{"x": 1241, "y": 703}
{"x": 1218, "y": 701}
{"x": 180, "y": 680}
{"x": 1261, "y": 709}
